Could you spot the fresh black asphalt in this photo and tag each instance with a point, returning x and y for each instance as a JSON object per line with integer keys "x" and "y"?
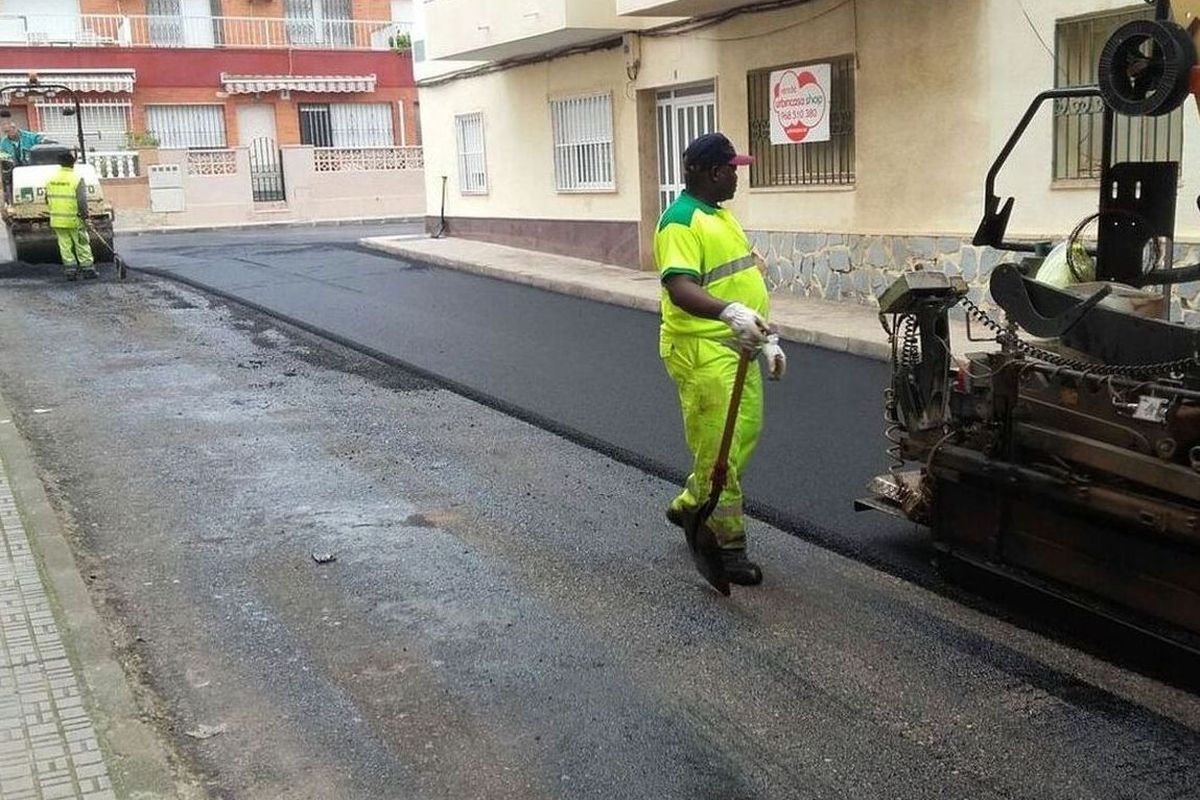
{"x": 585, "y": 369}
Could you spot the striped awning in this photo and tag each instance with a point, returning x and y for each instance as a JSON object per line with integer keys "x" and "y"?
{"x": 253, "y": 84}
{"x": 114, "y": 81}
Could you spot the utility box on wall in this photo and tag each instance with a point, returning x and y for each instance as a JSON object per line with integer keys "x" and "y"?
{"x": 166, "y": 187}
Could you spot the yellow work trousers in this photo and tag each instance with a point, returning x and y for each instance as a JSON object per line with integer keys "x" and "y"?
{"x": 703, "y": 371}
{"x": 74, "y": 247}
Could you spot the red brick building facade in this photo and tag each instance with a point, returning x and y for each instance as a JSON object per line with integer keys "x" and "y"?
{"x": 332, "y": 73}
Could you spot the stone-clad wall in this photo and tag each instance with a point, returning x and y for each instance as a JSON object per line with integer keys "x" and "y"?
{"x": 855, "y": 268}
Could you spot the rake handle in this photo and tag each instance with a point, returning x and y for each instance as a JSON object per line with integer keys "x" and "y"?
{"x": 721, "y": 467}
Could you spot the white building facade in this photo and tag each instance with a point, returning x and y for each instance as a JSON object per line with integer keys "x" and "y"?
{"x": 558, "y": 126}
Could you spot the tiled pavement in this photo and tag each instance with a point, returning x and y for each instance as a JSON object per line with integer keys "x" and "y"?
{"x": 48, "y": 747}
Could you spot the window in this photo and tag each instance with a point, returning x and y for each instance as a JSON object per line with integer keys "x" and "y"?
{"x": 313, "y": 22}
{"x": 828, "y": 163}
{"x": 184, "y": 22}
{"x": 583, "y": 143}
{"x": 472, "y": 160}
{"x": 1079, "y": 123}
{"x": 316, "y": 128}
{"x": 105, "y": 125}
{"x": 346, "y": 124}
{"x": 182, "y": 127}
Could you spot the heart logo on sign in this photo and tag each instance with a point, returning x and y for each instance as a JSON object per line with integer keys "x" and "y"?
{"x": 800, "y": 104}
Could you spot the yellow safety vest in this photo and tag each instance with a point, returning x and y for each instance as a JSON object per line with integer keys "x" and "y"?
{"x": 60, "y": 197}
{"x": 707, "y": 244}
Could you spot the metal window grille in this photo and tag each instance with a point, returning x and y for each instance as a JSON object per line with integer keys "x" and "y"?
{"x": 316, "y": 128}
{"x": 1079, "y": 123}
{"x": 300, "y": 20}
{"x": 166, "y": 21}
{"x": 814, "y": 163}
{"x": 472, "y": 156}
{"x": 310, "y": 22}
{"x": 361, "y": 124}
{"x": 346, "y": 125}
{"x": 583, "y": 143}
{"x": 175, "y": 23}
{"x": 187, "y": 126}
{"x": 105, "y": 124}
{"x": 335, "y": 22}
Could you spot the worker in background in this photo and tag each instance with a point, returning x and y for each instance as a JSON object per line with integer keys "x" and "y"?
{"x": 16, "y": 143}
{"x": 67, "y": 198}
{"x": 714, "y": 303}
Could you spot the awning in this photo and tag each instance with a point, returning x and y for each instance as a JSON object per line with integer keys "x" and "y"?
{"x": 80, "y": 80}
{"x": 253, "y": 84}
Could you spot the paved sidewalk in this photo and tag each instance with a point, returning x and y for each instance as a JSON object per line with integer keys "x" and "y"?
{"x": 48, "y": 747}
{"x": 61, "y": 688}
{"x": 844, "y": 327}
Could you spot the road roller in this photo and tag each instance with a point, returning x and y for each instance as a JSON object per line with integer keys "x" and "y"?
{"x": 25, "y": 214}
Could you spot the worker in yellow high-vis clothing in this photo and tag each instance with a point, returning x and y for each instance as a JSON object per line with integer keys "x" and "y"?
{"x": 714, "y": 303}
{"x": 67, "y": 198}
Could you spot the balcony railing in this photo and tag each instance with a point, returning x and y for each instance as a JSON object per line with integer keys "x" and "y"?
{"x": 122, "y": 164}
{"x": 367, "y": 159}
{"x": 114, "y": 30}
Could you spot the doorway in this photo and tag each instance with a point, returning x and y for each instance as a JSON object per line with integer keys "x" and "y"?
{"x": 683, "y": 114}
{"x": 256, "y": 132}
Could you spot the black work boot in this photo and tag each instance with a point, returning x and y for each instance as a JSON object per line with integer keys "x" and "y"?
{"x": 90, "y": 272}
{"x": 72, "y": 274}
{"x": 739, "y": 569}
{"x": 676, "y": 517}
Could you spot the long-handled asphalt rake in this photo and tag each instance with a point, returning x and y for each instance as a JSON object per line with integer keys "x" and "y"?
{"x": 706, "y": 553}
{"x": 117, "y": 261}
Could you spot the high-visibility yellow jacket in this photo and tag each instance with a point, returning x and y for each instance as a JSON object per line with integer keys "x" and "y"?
{"x": 66, "y": 194}
{"x": 707, "y": 244}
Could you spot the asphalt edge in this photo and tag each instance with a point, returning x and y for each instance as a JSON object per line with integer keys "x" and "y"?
{"x": 251, "y": 226}
{"x": 865, "y": 348}
{"x": 138, "y": 763}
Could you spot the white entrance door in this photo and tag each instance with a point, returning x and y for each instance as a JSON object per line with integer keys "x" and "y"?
{"x": 256, "y": 131}
{"x": 255, "y": 121}
{"x": 683, "y": 114}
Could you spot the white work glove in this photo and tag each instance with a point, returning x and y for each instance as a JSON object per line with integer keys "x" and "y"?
{"x": 750, "y": 329}
{"x": 775, "y": 357}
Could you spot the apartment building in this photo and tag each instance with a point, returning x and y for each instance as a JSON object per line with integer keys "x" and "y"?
{"x": 211, "y": 83}
{"x": 561, "y": 123}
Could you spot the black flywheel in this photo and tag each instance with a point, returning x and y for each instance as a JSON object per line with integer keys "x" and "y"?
{"x": 1146, "y": 68}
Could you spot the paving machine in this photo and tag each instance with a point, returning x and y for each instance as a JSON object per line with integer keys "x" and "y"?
{"x": 25, "y": 214}
{"x": 1066, "y": 456}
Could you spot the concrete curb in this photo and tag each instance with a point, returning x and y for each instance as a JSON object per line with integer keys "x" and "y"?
{"x": 137, "y": 762}
{"x": 243, "y": 226}
{"x": 800, "y": 334}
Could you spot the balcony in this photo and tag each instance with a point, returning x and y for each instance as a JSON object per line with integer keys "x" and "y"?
{"x": 115, "y": 164}
{"x": 473, "y": 31}
{"x": 676, "y": 8}
{"x": 114, "y": 30}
